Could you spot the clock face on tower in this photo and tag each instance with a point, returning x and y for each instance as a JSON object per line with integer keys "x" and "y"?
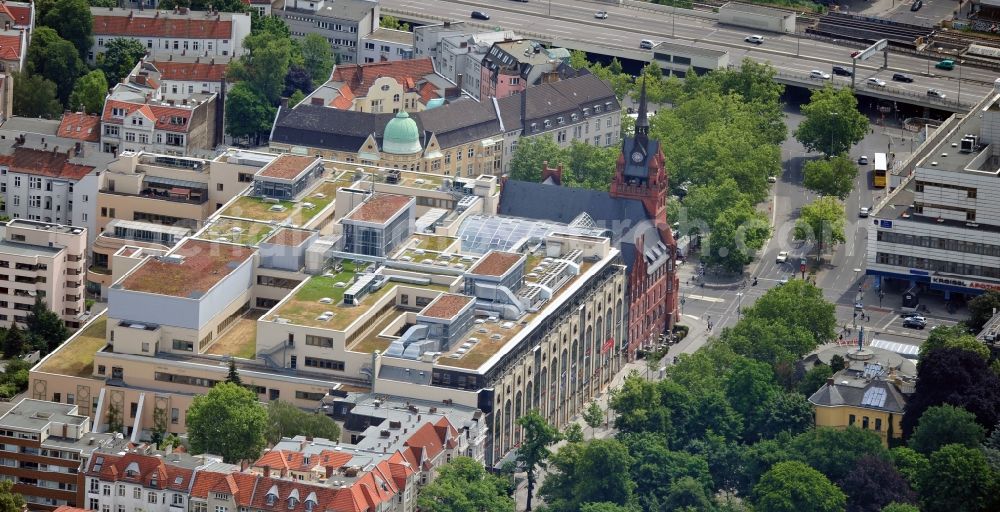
{"x": 637, "y": 157}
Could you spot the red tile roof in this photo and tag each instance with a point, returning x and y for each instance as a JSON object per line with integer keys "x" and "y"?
{"x": 379, "y": 208}
{"x": 344, "y": 100}
{"x": 288, "y": 167}
{"x": 360, "y": 77}
{"x": 142, "y": 26}
{"x": 147, "y": 470}
{"x": 67, "y": 508}
{"x": 20, "y": 14}
{"x": 366, "y": 493}
{"x": 80, "y": 126}
{"x": 425, "y": 444}
{"x": 162, "y": 114}
{"x": 52, "y": 164}
{"x": 191, "y": 71}
{"x": 284, "y": 460}
{"x": 10, "y": 47}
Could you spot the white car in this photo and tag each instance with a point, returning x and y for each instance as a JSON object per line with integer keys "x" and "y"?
{"x": 863, "y": 212}
{"x": 772, "y": 179}
{"x": 863, "y": 160}
{"x": 755, "y": 39}
{"x": 875, "y": 82}
{"x": 935, "y": 93}
{"x": 601, "y": 15}
{"x": 823, "y": 75}
{"x": 782, "y": 257}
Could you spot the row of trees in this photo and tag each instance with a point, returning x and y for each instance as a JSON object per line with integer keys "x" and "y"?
{"x": 729, "y": 429}
{"x": 274, "y": 67}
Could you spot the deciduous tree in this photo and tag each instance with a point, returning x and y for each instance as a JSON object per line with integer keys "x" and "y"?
{"x": 954, "y": 336}
{"x": 228, "y": 421}
{"x": 873, "y": 484}
{"x": 795, "y": 487}
{"x": 831, "y": 177}
{"x": 89, "y": 93}
{"x": 596, "y": 471}
{"x": 248, "y": 114}
{"x": 392, "y": 22}
{"x": 832, "y": 122}
{"x": 910, "y": 464}
{"x": 946, "y": 424}
{"x": 46, "y": 329}
{"x": 56, "y": 59}
{"x": 10, "y": 501}
{"x": 814, "y": 379}
{"x": 797, "y": 304}
{"x": 73, "y": 21}
{"x": 120, "y": 56}
{"x": 463, "y": 485}
{"x": 821, "y": 222}
{"x": 835, "y": 452}
{"x": 14, "y": 342}
{"x": 958, "y": 479}
{"x": 981, "y": 309}
{"x": 593, "y": 416}
{"x": 534, "y": 451}
{"x": 957, "y": 377}
{"x": 287, "y": 420}
{"x": 317, "y": 57}
{"x": 530, "y": 156}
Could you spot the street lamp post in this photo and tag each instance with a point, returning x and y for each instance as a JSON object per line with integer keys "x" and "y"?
{"x": 673, "y": 19}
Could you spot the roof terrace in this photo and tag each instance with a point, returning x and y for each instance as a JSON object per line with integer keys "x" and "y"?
{"x": 189, "y": 271}
{"x": 411, "y": 179}
{"x": 298, "y": 213}
{"x": 288, "y": 166}
{"x": 237, "y": 231}
{"x": 379, "y": 208}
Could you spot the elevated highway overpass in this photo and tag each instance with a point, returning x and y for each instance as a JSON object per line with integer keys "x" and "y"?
{"x": 571, "y": 24}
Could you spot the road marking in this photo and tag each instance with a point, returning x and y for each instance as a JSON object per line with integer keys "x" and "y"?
{"x": 891, "y": 320}
{"x": 704, "y": 298}
{"x": 693, "y": 317}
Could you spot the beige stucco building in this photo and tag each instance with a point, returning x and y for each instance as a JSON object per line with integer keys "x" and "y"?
{"x": 42, "y": 260}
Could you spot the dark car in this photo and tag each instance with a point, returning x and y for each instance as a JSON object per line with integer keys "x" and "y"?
{"x": 902, "y": 77}
{"x": 841, "y": 71}
{"x": 917, "y": 5}
{"x": 915, "y": 322}
{"x": 480, "y": 15}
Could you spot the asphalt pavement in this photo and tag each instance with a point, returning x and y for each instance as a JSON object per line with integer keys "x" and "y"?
{"x": 573, "y": 20}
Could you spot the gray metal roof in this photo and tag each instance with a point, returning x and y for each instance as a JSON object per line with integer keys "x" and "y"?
{"x": 548, "y": 101}
{"x": 30, "y": 414}
{"x": 848, "y": 390}
{"x": 19, "y": 249}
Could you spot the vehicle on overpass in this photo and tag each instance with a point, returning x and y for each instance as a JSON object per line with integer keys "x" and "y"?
{"x": 935, "y": 93}
{"x": 480, "y": 15}
{"x": 601, "y": 15}
{"x": 819, "y": 74}
{"x": 880, "y": 168}
{"x": 946, "y": 64}
{"x": 841, "y": 71}
{"x": 755, "y": 39}
{"x": 646, "y": 44}
{"x": 875, "y": 82}
{"x": 902, "y": 77}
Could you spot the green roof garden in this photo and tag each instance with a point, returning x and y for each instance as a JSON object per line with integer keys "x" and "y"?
{"x": 76, "y": 356}
{"x": 240, "y": 231}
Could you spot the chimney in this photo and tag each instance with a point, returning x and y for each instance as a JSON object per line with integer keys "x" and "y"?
{"x": 829, "y": 381}
{"x": 555, "y": 174}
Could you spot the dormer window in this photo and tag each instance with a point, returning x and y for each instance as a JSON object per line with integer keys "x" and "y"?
{"x": 574, "y": 116}
{"x": 153, "y": 480}
{"x": 548, "y": 123}
{"x": 132, "y": 470}
{"x": 560, "y": 120}
{"x": 534, "y": 127}
{"x": 272, "y": 495}
{"x": 597, "y": 109}
{"x": 607, "y": 105}
{"x": 293, "y": 499}
{"x": 117, "y": 112}
{"x": 309, "y": 506}
{"x": 586, "y": 111}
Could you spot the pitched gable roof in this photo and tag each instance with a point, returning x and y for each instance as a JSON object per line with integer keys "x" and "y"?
{"x": 51, "y": 164}
{"x": 163, "y": 115}
{"x": 79, "y": 126}
{"x": 10, "y": 47}
{"x": 360, "y": 77}
{"x": 191, "y": 71}
{"x": 147, "y": 470}
{"x": 142, "y": 26}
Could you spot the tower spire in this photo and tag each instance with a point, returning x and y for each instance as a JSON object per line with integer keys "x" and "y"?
{"x": 642, "y": 121}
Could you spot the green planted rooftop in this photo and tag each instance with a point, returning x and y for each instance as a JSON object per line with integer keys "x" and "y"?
{"x": 239, "y": 231}
{"x": 76, "y": 356}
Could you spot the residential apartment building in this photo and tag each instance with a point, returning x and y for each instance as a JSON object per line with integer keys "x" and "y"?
{"x": 185, "y": 77}
{"x": 178, "y": 32}
{"x": 458, "y": 52}
{"x": 18, "y": 15}
{"x": 342, "y": 22}
{"x": 143, "y": 114}
{"x": 46, "y": 447}
{"x": 395, "y": 281}
{"x": 510, "y": 66}
{"x": 13, "y": 51}
{"x": 383, "y": 87}
{"x": 936, "y": 233}
{"x": 148, "y": 201}
{"x": 42, "y": 260}
{"x": 386, "y": 44}
{"x": 583, "y": 108}
{"x": 83, "y": 128}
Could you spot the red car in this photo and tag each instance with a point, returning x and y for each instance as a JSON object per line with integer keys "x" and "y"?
{"x": 855, "y": 54}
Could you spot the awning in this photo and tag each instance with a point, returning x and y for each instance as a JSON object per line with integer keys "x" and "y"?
{"x": 171, "y": 182}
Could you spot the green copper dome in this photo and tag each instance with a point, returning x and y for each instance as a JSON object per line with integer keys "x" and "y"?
{"x": 401, "y": 137}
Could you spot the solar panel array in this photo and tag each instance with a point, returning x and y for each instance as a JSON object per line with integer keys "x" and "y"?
{"x": 874, "y": 397}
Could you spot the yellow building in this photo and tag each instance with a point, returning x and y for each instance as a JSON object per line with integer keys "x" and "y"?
{"x": 862, "y": 396}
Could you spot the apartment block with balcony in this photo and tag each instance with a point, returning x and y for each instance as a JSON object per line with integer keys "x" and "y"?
{"x": 152, "y": 201}
{"x": 46, "y": 261}
{"x": 342, "y": 22}
{"x": 178, "y": 32}
{"x": 44, "y": 449}
{"x": 386, "y": 44}
{"x": 458, "y": 51}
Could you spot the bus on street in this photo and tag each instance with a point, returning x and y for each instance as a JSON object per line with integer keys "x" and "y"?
{"x": 881, "y": 166}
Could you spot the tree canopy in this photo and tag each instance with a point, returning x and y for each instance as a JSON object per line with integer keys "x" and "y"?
{"x": 120, "y": 55}
{"x": 287, "y": 420}
{"x": 946, "y": 424}
{"x": 831, "y": 177}
{"x": 227, "y": 421}
{"x": 248, "y": 114}
{"x": 316, "y": 57}
{"x": 534, "y": 450}
{"x": 89, "y": 92}
{"x": 959, "y": 479}
{"x": 954, "y": 336}
{"x": 795, "y": 487}
{"x": 832, "y": 122}
{"x": 10, "y": 501}
{"x": 957, "y": 377}
{"x": 463, "y": 485}
{"x": 72, "y": 20}
{"x": 821, "y": 222}
{"x": 981, "y": 309}
{"x": 55, "y": 59}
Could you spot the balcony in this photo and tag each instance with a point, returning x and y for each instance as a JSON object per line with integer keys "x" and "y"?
{"x": 24, "y": 266}
{"x": 72, "y": 298}
{"x": 74, "y": 258}
{"x": 73, "y": 272}
{"x": 98, "y": 269}
{"x": 28, "y": 280}
{"x": 71, "y": 312}
{"x": 72, "y": 284}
